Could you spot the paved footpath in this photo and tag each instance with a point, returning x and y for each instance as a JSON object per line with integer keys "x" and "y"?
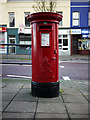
{"x": 17, "y": 101}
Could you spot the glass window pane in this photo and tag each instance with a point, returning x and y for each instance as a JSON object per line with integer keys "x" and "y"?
{"x": 64, "y": 36}
{"x": 89, "y": 15}
{"x": 75, "y": 22}
{"x": 65, "y": 42}
{"x": 76, "y": 15}
{"x": 60, "y": 41}
{"x": 65, "y": 48}
{"x": 27, "y": 23}
{"x": 11, "y": 20}
{"x": 89, "y": 22}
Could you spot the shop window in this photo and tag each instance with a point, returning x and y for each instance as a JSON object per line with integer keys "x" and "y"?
{"x": 63, "y": 42}
{"x": 11, "y": 19}
{"x": 61, "y": 22}
{"x": 25, "y": 39}
{"x": 75, "y": 18}
{"x": 2, "y": 41}
{"x": 27, "y": 23}
{"x": 89, "y": 18}
{"x": 84, "y": 44}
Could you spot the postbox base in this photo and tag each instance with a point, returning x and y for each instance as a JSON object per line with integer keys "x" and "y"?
{"x": 46, "y": 90}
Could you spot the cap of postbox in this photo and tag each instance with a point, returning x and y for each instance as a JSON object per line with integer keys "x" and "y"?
{"x": 44, "y": 16}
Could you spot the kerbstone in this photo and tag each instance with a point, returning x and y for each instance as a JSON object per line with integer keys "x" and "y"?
{"x": 44, "y": 115}
{"x": 18, "y": 115}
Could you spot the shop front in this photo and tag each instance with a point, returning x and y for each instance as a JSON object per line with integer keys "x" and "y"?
{"x": 12, "y": 35}
{"x": 24, "y": 38}
{"x": 64, "y": 41}
{"x": 3, "y": 39}
{"x": 80, "y": 42}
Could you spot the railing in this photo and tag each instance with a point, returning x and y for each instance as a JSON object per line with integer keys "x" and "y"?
{"x": 10, "y": 46}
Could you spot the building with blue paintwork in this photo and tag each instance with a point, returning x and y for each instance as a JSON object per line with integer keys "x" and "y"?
{"x": 80, "y": 25}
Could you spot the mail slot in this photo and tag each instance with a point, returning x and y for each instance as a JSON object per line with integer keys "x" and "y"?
{"x": 45, "y": 78}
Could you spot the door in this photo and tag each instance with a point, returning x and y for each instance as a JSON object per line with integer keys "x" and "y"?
{"x": 75, "y": 44}
{"x": 12, "y": 47}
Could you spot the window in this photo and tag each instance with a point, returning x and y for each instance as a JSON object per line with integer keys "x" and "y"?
{"x": 11, "y": 19}
{"x": 24, "y": 39}
{"x": 61, "y": 22}
{"x": 12, "y": 40}
{"x": 63, "y": 42}
{"x": 27, "y": 23}
{"x": 75, "y": 18}
{"x": 89, "y": 18}
{"x": 83, "y": 44}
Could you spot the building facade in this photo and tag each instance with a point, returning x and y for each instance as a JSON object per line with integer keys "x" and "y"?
{"x": 14, "y": 13}
{"x": 80, "y": 27}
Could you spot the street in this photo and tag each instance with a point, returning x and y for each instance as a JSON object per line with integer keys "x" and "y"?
{"x": 67, "y": 71}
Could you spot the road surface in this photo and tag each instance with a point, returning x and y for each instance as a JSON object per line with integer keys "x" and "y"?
{"x": 67, "y": 71}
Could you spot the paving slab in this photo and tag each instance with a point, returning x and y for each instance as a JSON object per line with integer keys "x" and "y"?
{"x": 18, "y": 115}
{"x": 10, "y": 90}
{"x": 7, "y": 97}
{"x": 53, "y": 100}
{"x": 27, "y": 85}
{"x": 25, "y": 95}
{"x": 44, "y": 107}
{"x": 18, "y": 106}
{"x": 4, "y": 104}
{"x": 77, "y": 108}
{"x": 74, "y": 99}
{"x": 45, "y": 116}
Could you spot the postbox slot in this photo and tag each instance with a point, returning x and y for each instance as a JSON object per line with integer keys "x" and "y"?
{"x": 45, "y": 27}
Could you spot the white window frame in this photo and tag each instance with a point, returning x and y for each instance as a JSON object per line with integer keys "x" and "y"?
{"x": 89, "y": 18}
{"x": 76, "y": 18}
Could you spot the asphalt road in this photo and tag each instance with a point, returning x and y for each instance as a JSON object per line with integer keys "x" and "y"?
{"x": 67, "y": 71}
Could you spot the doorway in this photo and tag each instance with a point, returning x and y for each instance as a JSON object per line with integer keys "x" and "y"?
{"x": 12, "y": 47}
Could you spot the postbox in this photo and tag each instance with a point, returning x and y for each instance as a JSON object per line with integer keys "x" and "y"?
{"x": 45, "y": 68}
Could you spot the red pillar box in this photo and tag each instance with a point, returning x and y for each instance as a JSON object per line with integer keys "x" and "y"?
{"x": 45, "y": 77}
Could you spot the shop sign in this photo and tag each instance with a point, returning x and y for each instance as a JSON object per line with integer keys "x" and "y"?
{"x": 84, "y": 36}
{"x": 75, "y": 31}
{"x": 64, "y": 31}
{"x": 3, "y": 29}
{"x": 84, "y": 31}
{"x": 21, "y": 28}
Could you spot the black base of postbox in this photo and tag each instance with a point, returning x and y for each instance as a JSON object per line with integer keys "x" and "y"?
{"x": 45, "y": 90}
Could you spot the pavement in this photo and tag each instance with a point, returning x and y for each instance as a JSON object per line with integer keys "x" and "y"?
{"x": 19, "y": 104}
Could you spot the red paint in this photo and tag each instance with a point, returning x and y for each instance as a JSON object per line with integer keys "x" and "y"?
{"x": 44, "y": 58}
{"x": 71, "y": 44}
{"x": 3, "y": 29}
{"x": 84, "y": 52}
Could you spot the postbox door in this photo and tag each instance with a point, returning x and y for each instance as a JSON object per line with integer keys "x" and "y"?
{"x": 47, "y": 57}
